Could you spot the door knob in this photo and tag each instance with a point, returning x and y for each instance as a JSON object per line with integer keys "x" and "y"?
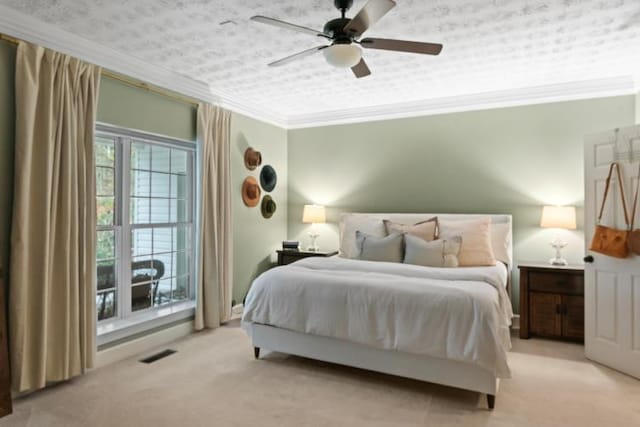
{"x": 588, "y": 258}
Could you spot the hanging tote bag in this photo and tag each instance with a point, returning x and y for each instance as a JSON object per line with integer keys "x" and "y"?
{"x": 633, "y": 240}
{"x": 607, "y": 240}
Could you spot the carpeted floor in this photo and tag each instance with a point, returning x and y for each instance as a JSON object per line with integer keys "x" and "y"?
{"x": 214, "y": 380}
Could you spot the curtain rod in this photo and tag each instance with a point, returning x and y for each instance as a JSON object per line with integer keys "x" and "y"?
{"x": 149, "y": 87}
{"x": 8, "y": 39}
{"x": 129, "y": 81}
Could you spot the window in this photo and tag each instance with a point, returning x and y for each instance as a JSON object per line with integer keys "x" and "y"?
{"x": 145, "y": 204}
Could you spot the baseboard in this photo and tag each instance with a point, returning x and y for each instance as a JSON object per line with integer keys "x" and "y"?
{"x": 143, "y": 344}
{"x": 515, "y": 321}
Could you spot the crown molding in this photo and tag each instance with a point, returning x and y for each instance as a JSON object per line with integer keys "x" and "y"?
{"x": 25, "y": 27}
{"x": 571, "y": 91}
{"x": 21, "y": 26}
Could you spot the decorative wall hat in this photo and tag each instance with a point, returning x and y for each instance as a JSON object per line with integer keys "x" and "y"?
{"x": 268, "y": 178}
{"x": 252, "y": 158}
{"x": 268, "y": 206}
{"x": 250, "y": 191}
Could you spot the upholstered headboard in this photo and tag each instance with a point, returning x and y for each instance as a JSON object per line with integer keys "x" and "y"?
{"x": 501, "y": 233}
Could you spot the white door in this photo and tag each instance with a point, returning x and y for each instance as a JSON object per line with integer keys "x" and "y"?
{"x": 612, "y": 286}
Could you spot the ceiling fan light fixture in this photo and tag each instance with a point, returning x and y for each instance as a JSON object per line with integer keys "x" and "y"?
{"x": 343, "y": 55}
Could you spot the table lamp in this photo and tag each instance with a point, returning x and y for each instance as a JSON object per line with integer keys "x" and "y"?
{"x": 561, "y": 217}
{"x": 313, "y": 214}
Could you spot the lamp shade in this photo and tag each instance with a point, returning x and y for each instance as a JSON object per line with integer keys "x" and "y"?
{"x": 342, "y": 55}
{"x": 313, "y": 214}
{"x": 558, "y": 217}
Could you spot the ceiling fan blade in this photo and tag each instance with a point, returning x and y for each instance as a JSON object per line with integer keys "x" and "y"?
{"x": 288, "y": 26}
{"x": 298, "y": 55}
{"x": 402, "y": 46}
{"x": 361, "y": 69}
{"x": 368, "y": 15}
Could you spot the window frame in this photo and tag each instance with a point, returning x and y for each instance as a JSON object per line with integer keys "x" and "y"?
{"x": 114, "y": 227}
{"x": 125, "y": 319}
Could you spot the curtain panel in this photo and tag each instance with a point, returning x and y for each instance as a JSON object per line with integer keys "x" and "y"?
{"x": 52, "y": 282}
{"x": 213, "y": 296}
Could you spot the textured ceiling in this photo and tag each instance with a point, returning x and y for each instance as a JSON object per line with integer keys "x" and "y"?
{"x": 488, "y": 46}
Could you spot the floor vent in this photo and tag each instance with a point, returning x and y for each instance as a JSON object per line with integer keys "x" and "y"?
{"x": 158, "y": 356}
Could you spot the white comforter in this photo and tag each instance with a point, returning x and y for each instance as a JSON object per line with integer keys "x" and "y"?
{"x": 460, "y": 314}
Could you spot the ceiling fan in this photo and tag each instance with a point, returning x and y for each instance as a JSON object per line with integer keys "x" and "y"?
{"x": 344, "y": 34}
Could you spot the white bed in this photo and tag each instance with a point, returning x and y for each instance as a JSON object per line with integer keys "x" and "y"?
{"x": 447, "y": 326}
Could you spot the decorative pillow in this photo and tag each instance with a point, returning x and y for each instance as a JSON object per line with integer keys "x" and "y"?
{"x": 426, "y": 230}
{"x": 501, "y": 241}
{"x": 374, "y": 248}
{"x": 476, "y": 240}
{"x": 437, "y": 253}
{"x": 348, "y": 226}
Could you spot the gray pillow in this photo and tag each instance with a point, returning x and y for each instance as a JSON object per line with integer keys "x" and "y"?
{"x": 438, "y": 253}
{"x": 374, "y": 248}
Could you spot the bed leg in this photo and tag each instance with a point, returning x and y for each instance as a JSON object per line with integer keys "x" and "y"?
{"x": 256, "y": 352}
{"x": 491, "y": 400}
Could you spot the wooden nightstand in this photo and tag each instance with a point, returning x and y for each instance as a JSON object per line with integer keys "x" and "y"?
{"x": 552, "y": 301}
{"x": 287, "y": 257}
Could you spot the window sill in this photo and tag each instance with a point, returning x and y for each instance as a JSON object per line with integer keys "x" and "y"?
{"x": 114, "y": 330}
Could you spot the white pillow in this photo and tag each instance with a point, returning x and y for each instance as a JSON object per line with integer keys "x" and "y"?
{"x": 476, "y": 246}
{"x": 501, "y": 241}
{"x": 437, "y": 253}
{"x": 349, "y": 224}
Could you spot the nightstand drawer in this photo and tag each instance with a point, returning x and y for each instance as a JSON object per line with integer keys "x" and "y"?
{"x": 564, "y": 283}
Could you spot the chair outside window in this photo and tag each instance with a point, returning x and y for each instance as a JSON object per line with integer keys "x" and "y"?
{"x": 145, "y": 280}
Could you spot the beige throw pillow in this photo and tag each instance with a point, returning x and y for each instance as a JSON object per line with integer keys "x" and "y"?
{"x": 426, "y": 230}
{"x": 372, "y": 248}
{"x": 476, "y": 247}
{"x": 437, "y": 253}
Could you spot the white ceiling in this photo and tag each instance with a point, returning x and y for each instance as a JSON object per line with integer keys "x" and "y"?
{"x": 489, "y": 47}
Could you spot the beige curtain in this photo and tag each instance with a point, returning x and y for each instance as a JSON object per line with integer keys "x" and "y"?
{"x": 213, "y": 300}
{"x": 52, "y": 283}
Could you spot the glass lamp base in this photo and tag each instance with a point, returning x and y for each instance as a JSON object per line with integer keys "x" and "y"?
{"x": 313, "y": 246}
{"x": 558, "y": 261}
{"x": 558, "y": 244}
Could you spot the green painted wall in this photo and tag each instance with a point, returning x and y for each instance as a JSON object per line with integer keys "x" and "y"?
{"x": 510, "y": 160}
{"x": 131, "y": 107}
{"x": 638, "y": 108}
{"x": 256, "y": 238}
{"x": 7, "y": 124}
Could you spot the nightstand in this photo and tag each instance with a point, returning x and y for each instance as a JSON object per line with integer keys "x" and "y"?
{"x": 552, "y": 301}
{"x": 287, "y": 256}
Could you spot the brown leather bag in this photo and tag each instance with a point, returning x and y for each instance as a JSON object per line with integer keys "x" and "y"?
{"x": 607, "y": 240}
{"x": 633, "y": 239}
